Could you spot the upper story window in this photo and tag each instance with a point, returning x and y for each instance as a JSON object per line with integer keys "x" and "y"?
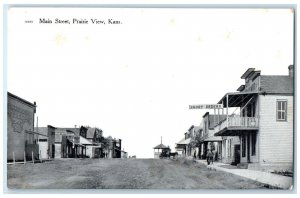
{"x": 281, "y": 110}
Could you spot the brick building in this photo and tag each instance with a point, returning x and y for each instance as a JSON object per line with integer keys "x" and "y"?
{"x": 21, "y": 138}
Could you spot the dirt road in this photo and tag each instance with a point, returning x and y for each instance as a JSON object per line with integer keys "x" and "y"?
{"x": 122, "y": 174}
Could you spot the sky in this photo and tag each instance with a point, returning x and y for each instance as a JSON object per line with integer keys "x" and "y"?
{"x": 135, "y": 80}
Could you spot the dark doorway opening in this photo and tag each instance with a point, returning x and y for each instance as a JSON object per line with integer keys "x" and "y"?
{"x": 237, "y": 154}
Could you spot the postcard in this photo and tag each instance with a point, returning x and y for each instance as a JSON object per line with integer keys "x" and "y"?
{"x": 149, "y": 97}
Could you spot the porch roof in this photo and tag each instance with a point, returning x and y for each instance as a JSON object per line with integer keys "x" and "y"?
{"x": 161, "y": 146}
{"x": 213, "y": 139}
{"x": 83, "y": 140}
{"x": 237, "y": 99}
{"x": 184, "y": 141}
{"x": 230, "y": 131}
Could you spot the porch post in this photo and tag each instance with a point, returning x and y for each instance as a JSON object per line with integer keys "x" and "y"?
{"x": 218, "y": 115}
{"x": 227, "y": 108}
{"x": 214, "y": 116}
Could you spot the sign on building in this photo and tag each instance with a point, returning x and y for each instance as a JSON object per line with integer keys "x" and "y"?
{"x": 206, "y": 106}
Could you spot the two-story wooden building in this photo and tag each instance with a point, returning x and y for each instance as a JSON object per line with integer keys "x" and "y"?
{"x": 209, "y": 140}
{"x": 263, "y": 123}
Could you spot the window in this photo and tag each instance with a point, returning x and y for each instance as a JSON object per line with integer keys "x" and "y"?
{"x": 253, "y": 144}
{"x": 281, "y": 110}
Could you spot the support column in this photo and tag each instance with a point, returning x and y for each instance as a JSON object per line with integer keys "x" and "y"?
{"x": 227, "y": 108}
{"x": 218, "y": 115}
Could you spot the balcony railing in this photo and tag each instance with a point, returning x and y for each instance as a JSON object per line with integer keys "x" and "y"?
{"x": 238, "y": 123}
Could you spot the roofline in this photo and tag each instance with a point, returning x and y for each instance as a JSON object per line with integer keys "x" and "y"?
{"x": 21, "y": 99}
{"x": 280, "y": 94}
{"x": 241, "y": 88}
{"x": 205, "y": 114}
{"x": 277, "y": 76}
{"x": 191, "y": 127}
{"x": 247, "y": 72}
{"x": 238, "y": 93}
{"x": 51, "y": 126}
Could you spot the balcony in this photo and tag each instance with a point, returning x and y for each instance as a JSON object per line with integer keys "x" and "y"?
{"x": 235, "y": 125}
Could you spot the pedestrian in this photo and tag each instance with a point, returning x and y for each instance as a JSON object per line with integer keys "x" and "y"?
{"x": 210, "y": 157}
{"x": 195, "y": 155}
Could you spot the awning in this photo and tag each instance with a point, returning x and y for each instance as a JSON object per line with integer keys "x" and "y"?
{"x": 83, "y": 140}
{"x": 185, "y": 141}
{"x": 235, "y": 132}
{"x": 213, "y": 139}
{"x": 237, "y": 99}
{"x": 93, "y": 146}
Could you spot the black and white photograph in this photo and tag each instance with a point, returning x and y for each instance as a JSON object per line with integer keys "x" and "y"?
{"x": 149, "y": 97}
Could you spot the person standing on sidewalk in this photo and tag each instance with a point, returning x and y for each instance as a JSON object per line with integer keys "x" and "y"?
{"x": 210, "y": 157}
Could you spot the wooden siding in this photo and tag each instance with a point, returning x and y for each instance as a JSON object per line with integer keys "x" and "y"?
{"x": 275, "y": 137}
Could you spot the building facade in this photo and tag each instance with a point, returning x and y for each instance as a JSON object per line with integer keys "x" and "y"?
{"x": 208, "y": 140}
{"x": 21, "y": 138}
{"x": 262, "y": 129}
{"x": 46, "y": 141}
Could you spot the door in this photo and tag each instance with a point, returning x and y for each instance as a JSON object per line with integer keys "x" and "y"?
{"x": 248, "y": 148}
{"x": 237, "y": 154}
{"x": 53, "y": 151}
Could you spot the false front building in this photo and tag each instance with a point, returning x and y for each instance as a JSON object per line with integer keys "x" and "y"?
{"x": 260, "y": 133}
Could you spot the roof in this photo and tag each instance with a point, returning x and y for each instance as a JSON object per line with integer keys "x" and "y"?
{"x": 237, "y": 99}
{"x": 90, "y": 133}
{"x": 213, "y": 139}
{"x": 277, "y": 84}
{"x": 75, "y": 130}
{"x": 246, "y": 74}
{"x": 161, "y": 146}
{"x": 197, "y": 128}
{"x": 41, "y": 130}
{"x": 241, "y": 88}
{"x": 184, "y": 141}
{"x": 191, "y": 128}
{"x": 21, "y": 99}
{"x": 83, "y": 140}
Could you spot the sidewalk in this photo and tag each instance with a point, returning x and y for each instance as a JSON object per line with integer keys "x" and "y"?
{"x": 274, "y": 180}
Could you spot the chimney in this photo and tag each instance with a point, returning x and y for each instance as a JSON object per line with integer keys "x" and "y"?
{"x": 291, "y": 71}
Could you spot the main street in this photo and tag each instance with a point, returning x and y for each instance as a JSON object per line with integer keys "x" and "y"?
{"x": 122, "y": 174}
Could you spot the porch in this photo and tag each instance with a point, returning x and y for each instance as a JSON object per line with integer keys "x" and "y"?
{"x": 233, "y": 125}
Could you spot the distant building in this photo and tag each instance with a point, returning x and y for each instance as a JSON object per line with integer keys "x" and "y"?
{"x": 209, "y": 140}
{"x": 159, "y": 149}
{"x": 183, "y": 147}
{"x": 67, "y": 143}
{"x": 124, "y": 154}
{"x": 94, "y": 136}
{"x": 46, "y": 141}
{"x": 113, "y": 147}
{"x": 21, "y": 138}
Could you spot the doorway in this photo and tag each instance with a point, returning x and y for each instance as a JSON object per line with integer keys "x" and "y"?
{"x": 248, "y": 147}
{"x": 237, "y": 154}
{"x": 53, "y": 151}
